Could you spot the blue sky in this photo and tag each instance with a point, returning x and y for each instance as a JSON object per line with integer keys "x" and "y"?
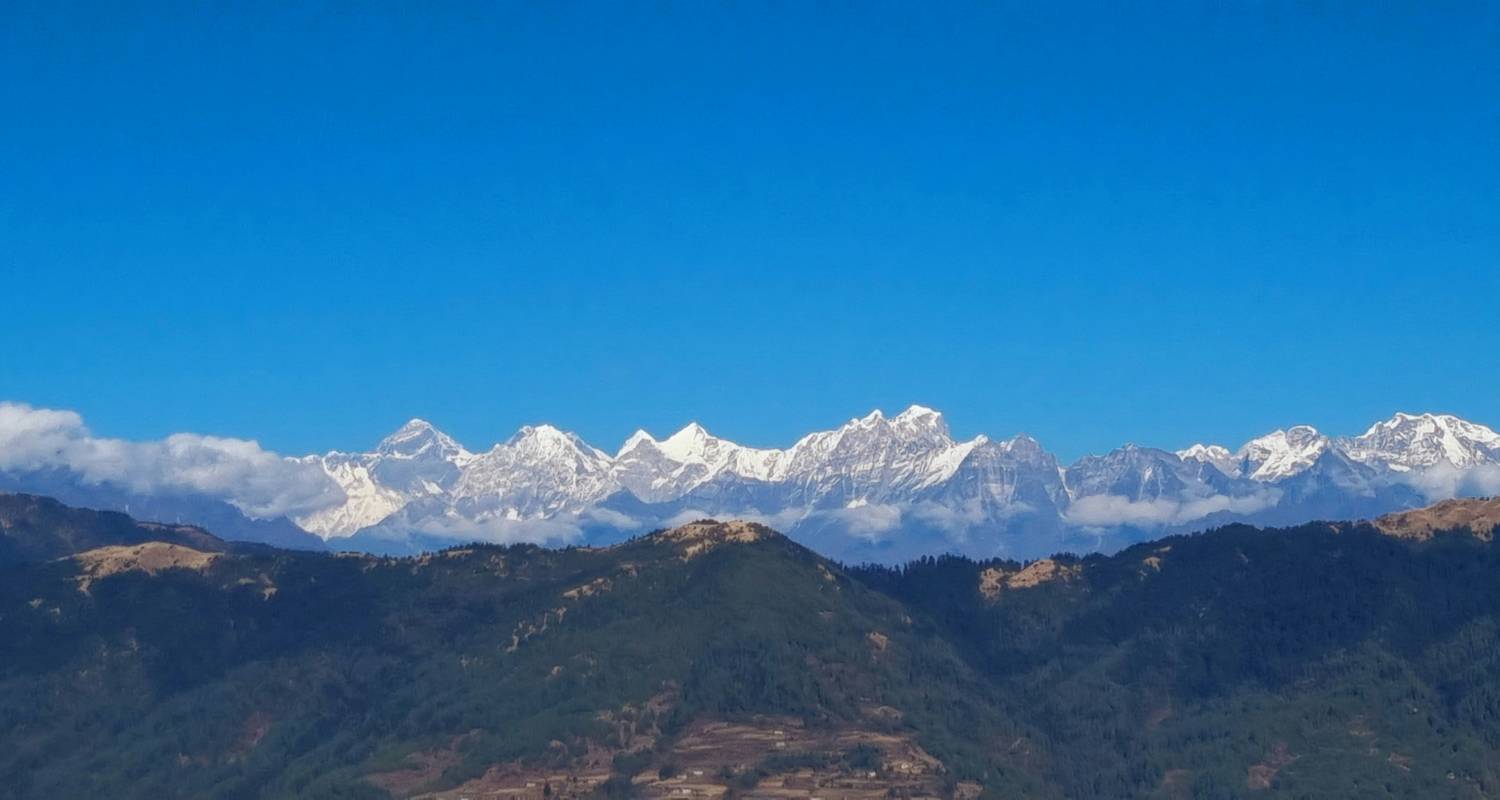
{"x": 1181, "y": 222}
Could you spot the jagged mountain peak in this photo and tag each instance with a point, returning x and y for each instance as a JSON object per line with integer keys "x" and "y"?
{"x": 541, "y": 429}
{"x": 545, "y": 440}
{"x": 883, "y": 471}
{"x": 1281, "y": 453}
{"x": 1402, "y": 417}
{"x": 1129, "y": 454}
{"x": 922, "y": 420}
{"x": 1215, "y": 455}
{"x": 687, "y": 443}
{"x": 1203, "y": 452}
{"x": 920, "y": 415}
{"x": 1018, "y": 442}
{"x": 1301, "y": 434}
{"x": 1411, "y": 441}
{"x": 416, "y": 438}
{"x": 1133, "y": 472}
{"x": 635, "y": 440}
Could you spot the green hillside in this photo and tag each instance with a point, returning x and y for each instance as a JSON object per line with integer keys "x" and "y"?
{"x": 724, "y": 659}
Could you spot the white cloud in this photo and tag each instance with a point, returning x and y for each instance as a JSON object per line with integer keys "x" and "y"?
{"x": 872, "y": 522}
{"x": 556, "y": 531}
{"x": 1443, "y": 480}
{"x": 611, "y": 519}
{"x": 257, "y": 481}
{"x": 1105, "y": 510}
{"x": 37, "y": 437}
{"x": 957, "y": 522}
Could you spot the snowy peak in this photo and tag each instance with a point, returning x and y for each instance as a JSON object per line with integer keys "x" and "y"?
{"x": 871, "y": 451}
{"x": 690, "y": 444}
{"x": 915, "y": 425}
{"x": 1413, "y": 441}
{"x": 637, "y": 439}
{"x": 655, "y": 470}
{"x": 1215, "y": 455}
{"x": 1281, "y": 454}
{"x": 418, "y": 438}
{"x": 1204, "y": 452}
{"x": 894, "y": 470}
{"x": 417, "y": 460}
{"x": 1022, "y": 446}
{"x": 547, "y": 440}
{"x": 922, "y": 421}
{"x": 1403, "y": 443}
{"x": 538, "y": 472}
{"x": 1136, "y": 473}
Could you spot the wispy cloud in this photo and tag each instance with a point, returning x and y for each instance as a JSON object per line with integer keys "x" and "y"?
{"x": 1107, "y": 510}
{"x": 239, "y": 471}
{"x": 555, "y": 531}
{"x": 1443, "y": 480}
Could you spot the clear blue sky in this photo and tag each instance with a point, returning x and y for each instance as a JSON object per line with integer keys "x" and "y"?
{"x": 1191, "y": 221}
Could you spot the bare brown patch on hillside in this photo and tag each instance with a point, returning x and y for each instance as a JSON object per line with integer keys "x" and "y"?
{"x": 1153, "y": 562}
{"x": 995, "y": 580}
{"x": 593, "y": 587}
{"x": 699, "y": 537}
{"x": 1262, "y": 775}
{"x": 262, "y": 582}
{"x": 1480, "y": 517}
{"x": 148, "y": 557}
{"x": 254, "y": 729}
{"x": 527, "y": 629}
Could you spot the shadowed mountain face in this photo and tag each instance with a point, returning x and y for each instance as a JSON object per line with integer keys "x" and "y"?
{"x": 1325, "y": 660}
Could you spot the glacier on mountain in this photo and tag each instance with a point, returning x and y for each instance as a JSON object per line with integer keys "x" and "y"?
{"x": 886, "y": 487}
{"x": 878, "y": 487}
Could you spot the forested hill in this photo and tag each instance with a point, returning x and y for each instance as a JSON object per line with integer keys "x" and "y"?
{"x": 36, "y": 528}
{"x": 1327, "y": 660}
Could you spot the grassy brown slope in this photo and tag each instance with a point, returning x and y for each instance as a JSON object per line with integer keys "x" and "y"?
{"x": 1477, "y": 516}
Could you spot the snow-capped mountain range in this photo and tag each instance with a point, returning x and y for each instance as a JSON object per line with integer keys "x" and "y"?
{"x": 888, "y": 487}
{"x": 875, "y": 488}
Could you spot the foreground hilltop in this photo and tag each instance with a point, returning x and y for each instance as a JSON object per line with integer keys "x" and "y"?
{"x": 725, "y": 659}
{"x": 40, "y": 529}
{"x": 1477, "y": 516}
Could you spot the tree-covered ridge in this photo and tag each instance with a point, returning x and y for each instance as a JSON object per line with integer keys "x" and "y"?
{"x": 36, "y": 528}
{"x": 1368, "y": 665}
{"x": 1317, "y": 661}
